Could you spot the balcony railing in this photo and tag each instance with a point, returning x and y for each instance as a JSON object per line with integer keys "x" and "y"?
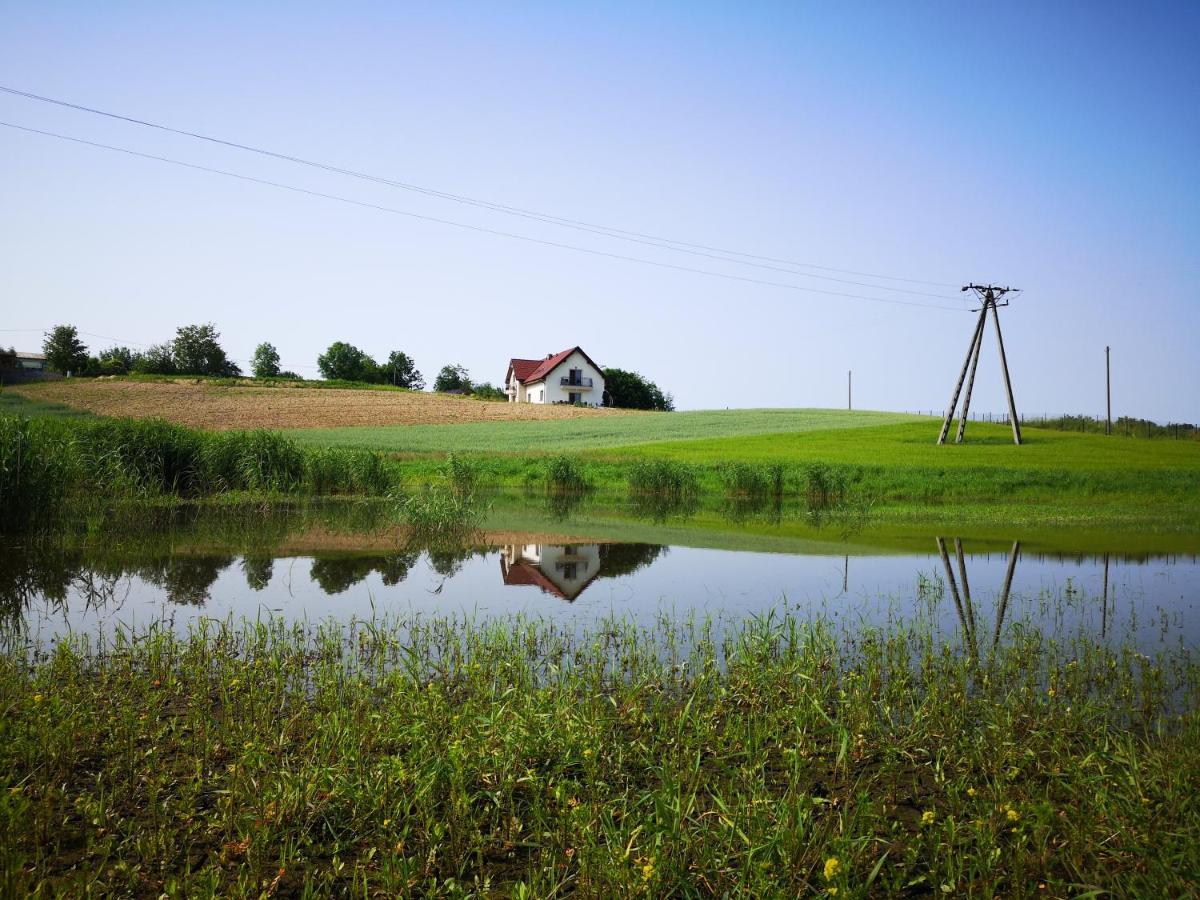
{"x": 567, "y": 381}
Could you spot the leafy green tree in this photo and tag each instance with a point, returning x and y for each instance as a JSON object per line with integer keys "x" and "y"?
{"x": 265, "y": 362}
{"x": 629, "y": 390}
{"x": 345, "y": 362}
{"x": 8, "y": 359}
{"x": 197, "y": 352}
{"x": 65, "y": 352}
{"x": 117, "y": 361}
{"x": 158, "y": 360}
{"x": 452, "y": 378}
{"x": 403, "y": 372}
{"x": 487, "y": 391}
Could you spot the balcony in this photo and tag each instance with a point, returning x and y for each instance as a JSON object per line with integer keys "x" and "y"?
{"x": 576, "y": 384}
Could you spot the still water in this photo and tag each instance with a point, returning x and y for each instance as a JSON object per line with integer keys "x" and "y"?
{"x": 1151, "y": 599}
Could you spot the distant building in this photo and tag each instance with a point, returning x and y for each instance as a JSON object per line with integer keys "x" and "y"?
{"x": 31, "y": 362}
{"x": 567, "y": 377}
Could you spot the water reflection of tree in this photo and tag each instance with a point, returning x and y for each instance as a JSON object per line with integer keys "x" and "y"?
{"x": 337, "y": 574}
{"x": 27, "y": 573}
{"x": 186, "y": 579}
{"x": 258, "y": 571}
{"x": 394, "y": 569}
{"x": 617, "y": 560}
{"x": 447, "y": 561}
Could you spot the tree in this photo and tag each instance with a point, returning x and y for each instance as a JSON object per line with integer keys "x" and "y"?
{"x": 402, "y": 372}
{"x": 117, "y": 361}
{"x": 65, "y": 352}
{"x": 157, "y": 360}
{"x": 345, "y": 362}
{"x": 8, "y": 359}
{"x": 487, "y": 391}
{"x": 629, "y": 390}
{"x": 265, "y": 362}
{"x": 196, "y": 352}
{"x": 452, "y": 378}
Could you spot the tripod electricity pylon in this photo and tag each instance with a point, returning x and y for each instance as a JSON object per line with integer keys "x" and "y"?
{"x": 989, "y": 294}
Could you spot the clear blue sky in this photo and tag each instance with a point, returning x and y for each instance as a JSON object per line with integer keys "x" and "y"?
{"x": 1053, "y": 146}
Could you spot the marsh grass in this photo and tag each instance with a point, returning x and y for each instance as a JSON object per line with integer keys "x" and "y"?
{"x": 442, "y": 757}
{"x": 45, "y": 462}
{"x": 566, "y": 475}
{"x": 664, "y": 478}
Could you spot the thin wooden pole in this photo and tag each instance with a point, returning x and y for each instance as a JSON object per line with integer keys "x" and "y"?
{"x": 1012, "y": 404}
{"x": 941, "y": 545}
{"x": 968, "y": 606}
{"x": 962, "y": 376}
{"x": 962, "y": 420}
{"x": 1002, "y": 609}
{"x": 1107, "y": 392}
{"x": 850, "y": 390}
{"x": 1104, "y": 608}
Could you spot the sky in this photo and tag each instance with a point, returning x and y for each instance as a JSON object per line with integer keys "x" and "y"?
{"x": 1050, "y": 147}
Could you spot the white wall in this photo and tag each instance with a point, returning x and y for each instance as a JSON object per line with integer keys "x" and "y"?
{"x": 556, "y": 393}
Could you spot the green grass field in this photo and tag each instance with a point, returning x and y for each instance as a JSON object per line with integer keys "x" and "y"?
{"x": 578, "y": 435}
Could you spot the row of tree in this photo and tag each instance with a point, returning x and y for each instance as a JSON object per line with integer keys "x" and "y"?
{"x": 196, "y": 350}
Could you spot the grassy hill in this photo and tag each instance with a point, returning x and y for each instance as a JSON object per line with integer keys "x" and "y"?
{"x": 593, "y": 433}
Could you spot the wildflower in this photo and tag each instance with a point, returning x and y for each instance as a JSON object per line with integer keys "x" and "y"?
{"x": 833, "y": 865}
{"x": 832, "y": 891}
{"x": 648, "y": 871}
{"x": 1050, "y": 692}
{"x": 37, "y": 698}
{"x": 971, "y": 792}
{"x": 928, "y": 816}
{"x": 1012, "y": 815}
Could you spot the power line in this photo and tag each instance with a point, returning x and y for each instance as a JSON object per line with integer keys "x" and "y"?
{"x": 718, "y": 253}
{"x": 478, "y": 228}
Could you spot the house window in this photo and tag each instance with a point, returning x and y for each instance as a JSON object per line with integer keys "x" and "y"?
{"x": 542, "y": 396}
{"x": 573, "y": 398}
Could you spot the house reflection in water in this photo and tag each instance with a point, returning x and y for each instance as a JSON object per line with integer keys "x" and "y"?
{"x": 563, "y": 570}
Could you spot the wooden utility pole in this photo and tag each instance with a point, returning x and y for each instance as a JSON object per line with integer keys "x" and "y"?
{"x": 989, "y": 294}
{"x": 1107, "y": 393}
{"x": 850, "y": 390}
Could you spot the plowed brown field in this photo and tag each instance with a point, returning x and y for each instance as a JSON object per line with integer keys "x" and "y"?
{"x": 204, "y": 405}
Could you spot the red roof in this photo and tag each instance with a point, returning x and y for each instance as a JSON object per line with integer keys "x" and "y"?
{"x": 522, "y": 572}
{"x": 527, "y": 370}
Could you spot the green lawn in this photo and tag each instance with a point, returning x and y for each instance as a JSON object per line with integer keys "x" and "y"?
{"x": 569, "y": 435}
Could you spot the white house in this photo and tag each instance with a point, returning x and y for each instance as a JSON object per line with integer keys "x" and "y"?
{"x": 566, "y": 377}
{"x": 560, "y": 570}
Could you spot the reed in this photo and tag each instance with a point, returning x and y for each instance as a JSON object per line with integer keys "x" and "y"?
{"x": 450, "y": 757}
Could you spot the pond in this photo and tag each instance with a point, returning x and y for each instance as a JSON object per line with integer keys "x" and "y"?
{"x": 974, "y": 589}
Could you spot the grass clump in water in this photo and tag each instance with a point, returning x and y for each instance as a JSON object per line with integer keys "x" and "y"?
{"x": 443, "y": 757}
{"x": 664, "y": 478}
{"x": 566, "y": 475}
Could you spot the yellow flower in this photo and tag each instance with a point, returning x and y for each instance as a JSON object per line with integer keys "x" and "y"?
{"x": 1050, "y": 692}
{"x": 37, "y": 698}
{"x": 928, "y": 816}
{"x": 833, "y": 865}
{"x": 971, "y": 792}
{"x": 832, "y": 891}
{"x": 1012, "y": 814}
{"x": 647, "y": 871}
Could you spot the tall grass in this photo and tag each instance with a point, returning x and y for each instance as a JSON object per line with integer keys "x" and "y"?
{"x": 437, "y": 757}
{"x": 47, "y": 461}
{"x": 34, "y": 473}
{"x": 566, "y": 475}
{"x": 664, "y": 478}
{"x": 751, "y": 480}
